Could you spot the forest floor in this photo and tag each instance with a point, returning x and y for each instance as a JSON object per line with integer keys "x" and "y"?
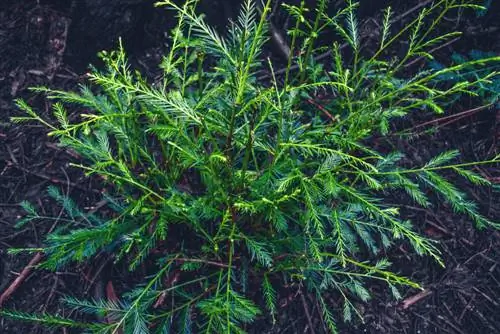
{"x": 51, "y": 42}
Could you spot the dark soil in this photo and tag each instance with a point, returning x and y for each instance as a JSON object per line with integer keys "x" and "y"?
{"x": 51, "y": 42}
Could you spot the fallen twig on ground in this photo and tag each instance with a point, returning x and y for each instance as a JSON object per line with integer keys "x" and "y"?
{"x": 306, "y": 310}
{"x": 21, "y": 278}
{"x": 405, "y": 304}
{"x": 53, "y": 179}
{"x": 450, "y": 118}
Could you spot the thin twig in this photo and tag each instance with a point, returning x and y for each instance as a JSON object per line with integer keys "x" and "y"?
{"x": 453, "y": 117}
{"x": 323, "y": 109}
{"x": 51, "y": 294}
{"x": 276, "y": 36}
{"x": 405, "y": 304}
{"x": 97, "y": 273}
{"x": 306, "y": 310}
{"x": 53, "y": 179}
{"x": 411, "y": 10}
{"x": 21, "y": 278}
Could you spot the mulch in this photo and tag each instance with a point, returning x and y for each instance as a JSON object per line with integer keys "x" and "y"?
{"x": 51, "y": 42}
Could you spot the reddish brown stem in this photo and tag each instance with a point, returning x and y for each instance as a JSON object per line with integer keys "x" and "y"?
{"x": 415, "y": 298}
{"x": 323, "y": 109}
{"x": 453, "y": 117}
{"x": 21, "y": 278}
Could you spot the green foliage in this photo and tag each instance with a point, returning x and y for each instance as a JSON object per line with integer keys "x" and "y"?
{"x": 219, "y": 181}
{"x": 487, "y": 92}
{"x": 486, "y": 4}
